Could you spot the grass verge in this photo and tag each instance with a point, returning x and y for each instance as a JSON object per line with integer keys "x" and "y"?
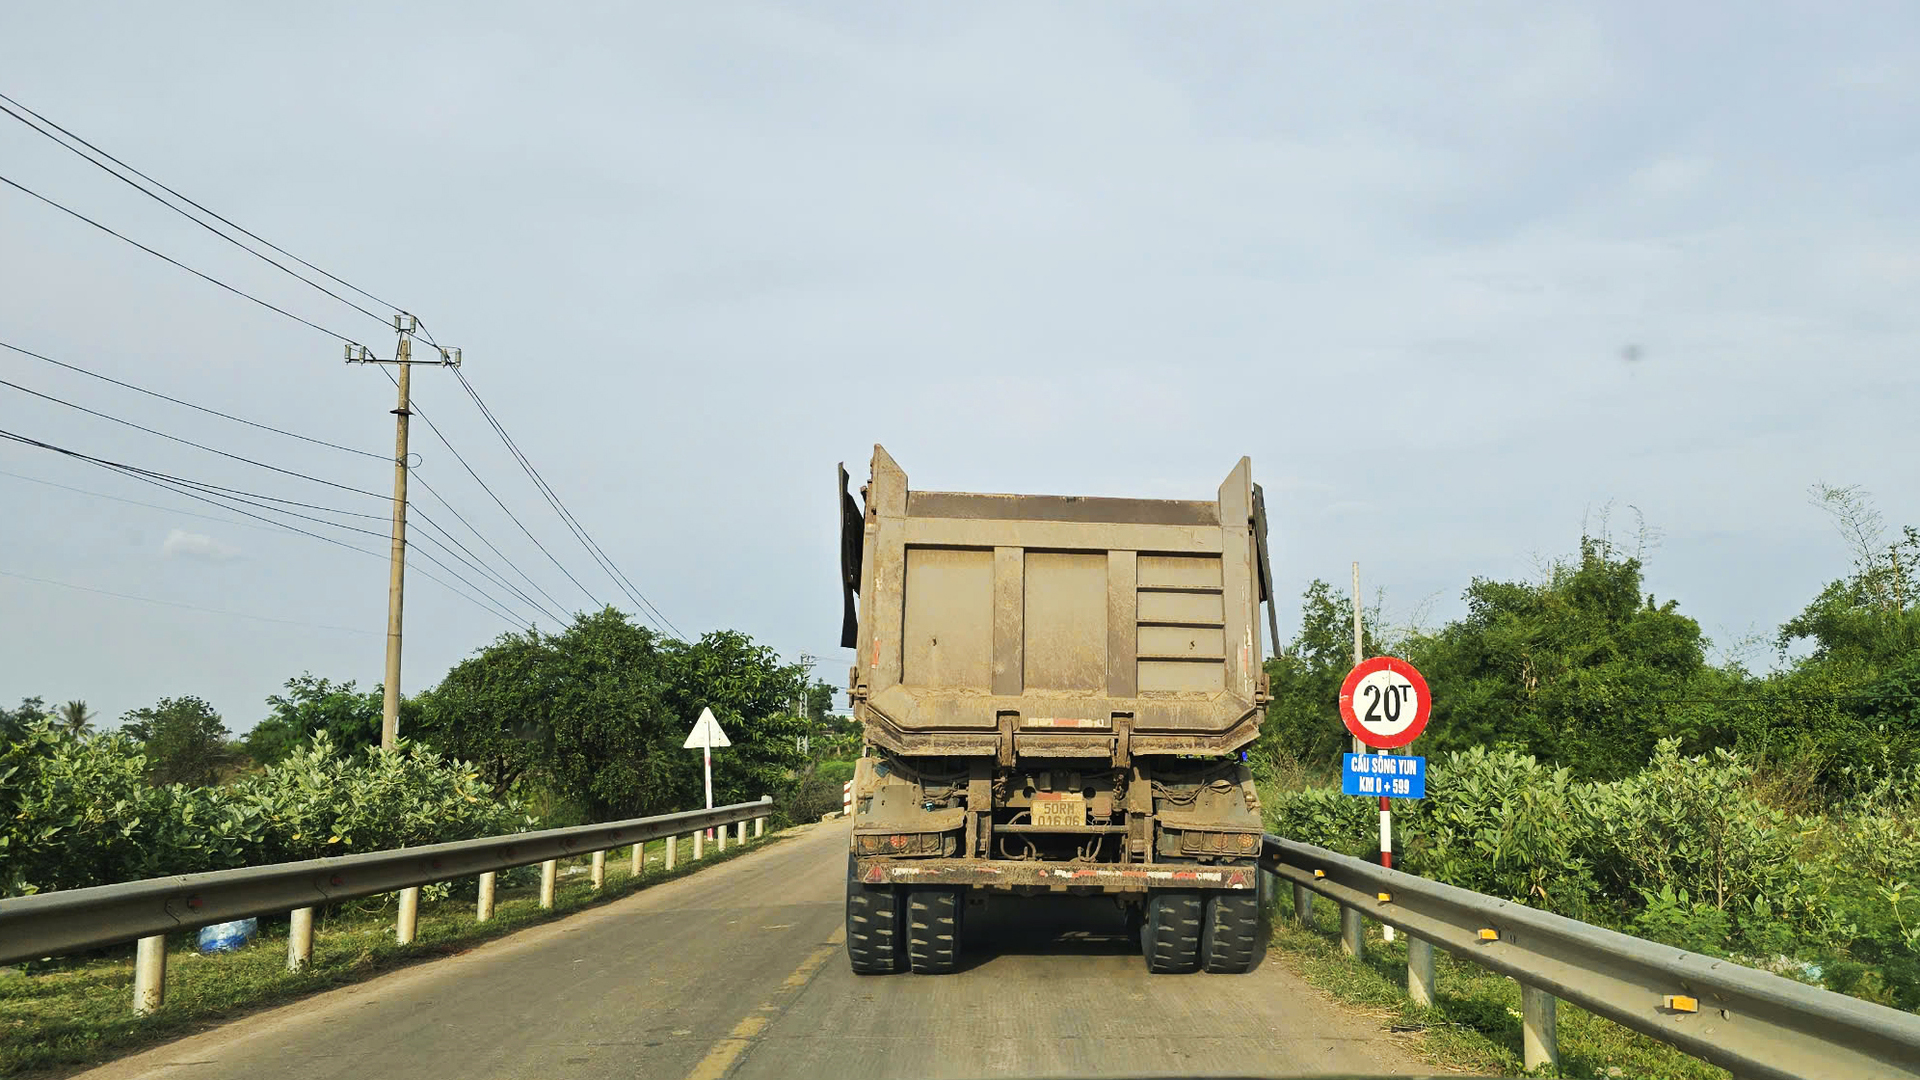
{"x": 1474, "y": 1023}
{"x": 62, "y": 1015}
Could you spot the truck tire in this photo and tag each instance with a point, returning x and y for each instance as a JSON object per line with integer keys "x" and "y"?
{"x": 873, "y": 927}
{"x": 1171, "y": 936}
{"x": 933, "y": 930}
{"x": 1230, "y": 943}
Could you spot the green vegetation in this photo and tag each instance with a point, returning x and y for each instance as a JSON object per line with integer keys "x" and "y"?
{"x": 1582, "y": 669}
{"x": 1685, "y": 852}
{"x": 83, "y": 812}
{"x": 581, "y": 725}
{"x": 1586, "y": 757}
{"x": 599, "y": 712}
{"x": 75, "y": 1011}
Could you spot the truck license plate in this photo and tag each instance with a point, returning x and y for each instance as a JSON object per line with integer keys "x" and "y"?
{"x": 1059, "y": 810}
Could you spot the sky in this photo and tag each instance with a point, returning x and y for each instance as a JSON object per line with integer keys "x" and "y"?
{"x": 1462, "y": 280}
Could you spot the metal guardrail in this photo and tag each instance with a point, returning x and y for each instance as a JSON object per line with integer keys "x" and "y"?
{"x": 51, "y": 924}
{"x": 1757, "y": 1025}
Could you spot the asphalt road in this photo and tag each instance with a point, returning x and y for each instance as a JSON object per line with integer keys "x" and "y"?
{"x": 739, "y": 972}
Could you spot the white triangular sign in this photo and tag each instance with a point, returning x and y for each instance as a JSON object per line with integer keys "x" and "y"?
{"x": 706, "y": 732}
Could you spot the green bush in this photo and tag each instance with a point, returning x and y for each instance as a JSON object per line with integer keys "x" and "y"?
{"x": 79, "y": 811}
{"x": 1501, "y": 823}
{"x": 1688, "y": 831}
{"x": 1325, "y": 818}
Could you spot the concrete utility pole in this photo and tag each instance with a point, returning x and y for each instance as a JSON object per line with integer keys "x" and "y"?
{"x": 1359, "y": 641}
{"x": 405, "y": 326}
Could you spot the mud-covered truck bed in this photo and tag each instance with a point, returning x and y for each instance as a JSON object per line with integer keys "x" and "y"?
{"x": 1055, "y": 691}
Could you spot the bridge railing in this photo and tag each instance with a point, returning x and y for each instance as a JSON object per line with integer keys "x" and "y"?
{"x": 56, "y": 923}
{"x": 1757, "y": 1025}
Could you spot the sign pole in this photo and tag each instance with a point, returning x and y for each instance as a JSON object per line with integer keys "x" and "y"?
{"x": 706, "y": 735}
{"x": 1359, "y": 641}
{"x": 1360, "y": 654}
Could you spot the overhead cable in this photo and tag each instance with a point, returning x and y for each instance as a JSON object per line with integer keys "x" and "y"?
{"x": 553, "y": 499}
{"x": 275, "y": 308}
{"x": 197, "y": 206}
{"x": 148, "y": 193}
{"x": 225, "y": 498}
{"x": 198, "y": 408}
{"x": 414, "y": 406}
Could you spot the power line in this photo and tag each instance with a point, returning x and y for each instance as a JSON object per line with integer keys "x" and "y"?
{"x": 170, "y": 259}
{"x": 579, "y": 532}
{"x": 431, "y": 426}
{"x": 268, "y": 427}
{"x": 199, "y": 408}
{"x": 84, "y": 156}
{"x": 557, "y": 606}
{"x": 224, "y": 498}
{"x": 466, "y": 555}
{"x": 184, "y": 607}
{"x": 129, "y": 502}
{"x": 190, "y": 442}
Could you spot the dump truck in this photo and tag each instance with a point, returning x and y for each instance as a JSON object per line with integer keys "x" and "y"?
{"x": 1055, "y": 693}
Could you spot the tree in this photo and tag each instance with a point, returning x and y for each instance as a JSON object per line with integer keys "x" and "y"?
{"x": 1303, "y": 718}
{"x": 15, "y": 722}
{"x": 493, "y": 709}
{"x": 1854, "y": 699}
{"x": 183, "y": 739}
{"x": 311, "y": 705}
{"x": 76, "y": 718}
{"x": 598, "y": 712}
{"x": 1580, "y": 668}
{"x": 751, "y": 693}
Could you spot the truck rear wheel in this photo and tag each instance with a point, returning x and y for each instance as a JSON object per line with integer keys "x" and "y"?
{"x": 933, "y": 930}
{"x": 1229, "y": 945}
{"x": 1171, "y": 936}
{"x": 873, "y": 927}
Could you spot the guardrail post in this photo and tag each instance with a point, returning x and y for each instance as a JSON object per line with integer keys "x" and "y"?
{"x": 1302, "y": 904}
{"x": 740, "y": 833}
{"x": 699, "y": 845}
{"x": 409, "y": 915}
{"x": 299, "y": 938}
{"x": 1539, "y": 1043}
{"x": 639, "y": 858}
{"x": 483, "y": 912}
{"x": 720, "y": 839}
{"x": 599, "y": 875}
{"x": 1420, "y": 970}
{"x": 1353, "y": 933}
{"x": 149, "y": 974}
{"x": 760, "y": 823}
{"x": 549, "y": 876}
{"x": 673, "y": 845}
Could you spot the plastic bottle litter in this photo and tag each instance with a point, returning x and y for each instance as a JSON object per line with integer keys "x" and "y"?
{"x": 227, "y": 936}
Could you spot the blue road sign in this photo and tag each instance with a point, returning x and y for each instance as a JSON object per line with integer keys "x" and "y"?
{"x": 1397, "y": 776}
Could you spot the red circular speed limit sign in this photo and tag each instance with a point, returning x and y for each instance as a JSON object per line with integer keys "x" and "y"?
{"x": 1385, "y": 702}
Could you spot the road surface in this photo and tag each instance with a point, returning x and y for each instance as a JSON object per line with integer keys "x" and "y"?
{"x": 739, "y": 972}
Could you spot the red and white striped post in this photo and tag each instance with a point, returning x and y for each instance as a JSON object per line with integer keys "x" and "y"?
{"x": 846, "y": 799}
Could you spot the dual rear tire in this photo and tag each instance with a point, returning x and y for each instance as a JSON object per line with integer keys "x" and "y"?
{"x": 1188, "y": 930}
{"x": 890, "y": 928}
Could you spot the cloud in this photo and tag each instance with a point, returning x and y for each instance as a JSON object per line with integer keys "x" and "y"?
{"x": 185, "y": 545}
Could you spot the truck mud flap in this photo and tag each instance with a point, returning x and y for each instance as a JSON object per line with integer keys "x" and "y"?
{"x": 1054, "y": 877}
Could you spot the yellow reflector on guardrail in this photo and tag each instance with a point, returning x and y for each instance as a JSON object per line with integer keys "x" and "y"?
{"x": 1386, "y": 898}
{"x": 1319, "y": 873}
{"x": 1681, "y": 1003}
{"x": 1489, "y": 935}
